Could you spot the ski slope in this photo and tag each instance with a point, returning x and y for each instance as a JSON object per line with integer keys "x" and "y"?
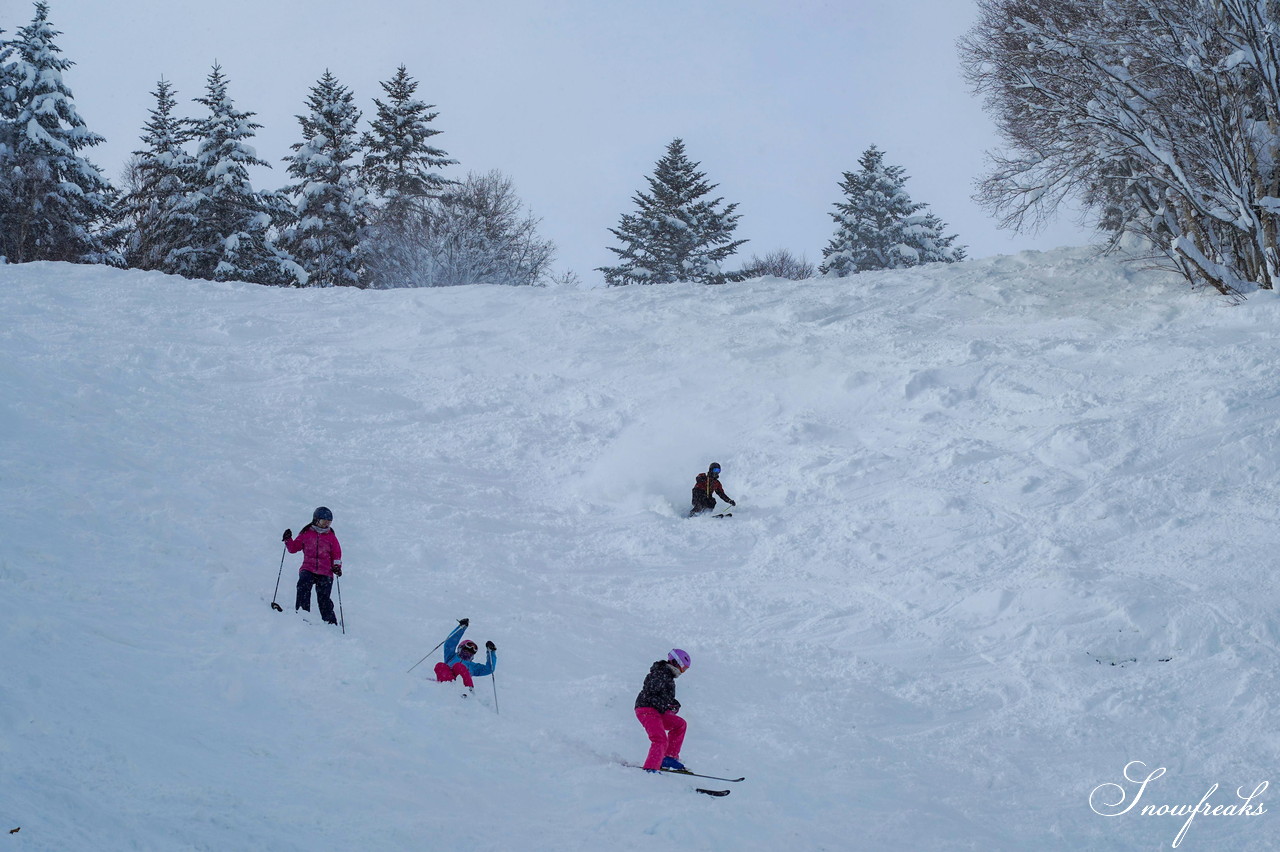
{"x": 1003, "y": 527}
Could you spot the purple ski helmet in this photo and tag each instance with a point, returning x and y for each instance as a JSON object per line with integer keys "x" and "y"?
{"x": 468, "y": 645}
{"x": 680, "y": 658}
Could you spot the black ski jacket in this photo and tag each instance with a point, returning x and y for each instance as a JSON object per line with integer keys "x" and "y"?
{"x": 659, "y": 690}
{"x": 704, "y": 489}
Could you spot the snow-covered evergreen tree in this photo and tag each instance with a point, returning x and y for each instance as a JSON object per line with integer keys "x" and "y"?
{"x": 878, "y": 226}
{"x": 231, "y": 223}
{"x": 8, "y": 112}
{"x": 54, "y": 203}
{"x": 8, "y": 90}
{"x": 330, "y": 206}
{"x": 399, "y": 162}
{"x": 676, "y": 233}
{"x": 162, "y": 176}
{"x": 400, "y": 170}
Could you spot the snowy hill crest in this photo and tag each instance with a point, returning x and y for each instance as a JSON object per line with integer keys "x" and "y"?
{"x": 1004, "y": 526}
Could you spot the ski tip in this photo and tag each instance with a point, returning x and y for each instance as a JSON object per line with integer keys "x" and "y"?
{"x": 717, "y": 793}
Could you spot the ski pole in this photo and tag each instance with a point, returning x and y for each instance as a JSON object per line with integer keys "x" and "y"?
{"x": 494, "y": 675}
{"x": 464, "y": 622}
{"x": 280, "y": 573}
{"x": 429, "y": 653}
{"x": 341, "y": 620}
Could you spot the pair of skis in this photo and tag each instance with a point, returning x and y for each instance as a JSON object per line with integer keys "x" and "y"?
{"x": 697, "y": 775}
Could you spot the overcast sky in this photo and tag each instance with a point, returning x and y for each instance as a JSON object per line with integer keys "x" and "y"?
{"x": 576, "y": 100}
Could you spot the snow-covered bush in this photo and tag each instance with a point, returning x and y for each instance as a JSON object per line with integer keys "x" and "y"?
{"x": 1161, "y": 117}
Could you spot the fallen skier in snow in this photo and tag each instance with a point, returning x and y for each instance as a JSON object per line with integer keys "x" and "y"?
{"x": 459, "y": 658}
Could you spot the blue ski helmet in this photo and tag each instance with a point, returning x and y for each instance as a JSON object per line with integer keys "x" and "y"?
{"x": 322, "y": 514}
{"x": 680, "y": 658}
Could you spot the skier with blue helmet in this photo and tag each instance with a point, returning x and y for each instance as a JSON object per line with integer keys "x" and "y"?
{"x": 705, "y": 488}
{"x": 321, "y": 562}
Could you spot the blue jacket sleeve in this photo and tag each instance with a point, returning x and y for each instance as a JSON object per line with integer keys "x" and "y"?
{"x": 485, "y": 668}
{"x": 451, "y": 645}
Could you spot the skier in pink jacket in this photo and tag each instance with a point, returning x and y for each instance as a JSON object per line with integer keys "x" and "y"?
{"x": 321, "y": 562}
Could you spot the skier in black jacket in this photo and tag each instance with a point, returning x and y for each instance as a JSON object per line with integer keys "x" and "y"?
{"x": 705, "y": 488}
{"x": 656, "y": 708}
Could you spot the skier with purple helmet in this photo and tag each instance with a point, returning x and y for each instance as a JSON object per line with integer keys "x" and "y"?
{"x": 657, "y": 709}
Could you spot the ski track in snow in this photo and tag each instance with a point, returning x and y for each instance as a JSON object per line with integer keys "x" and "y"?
{"x": 1003, "y": 527}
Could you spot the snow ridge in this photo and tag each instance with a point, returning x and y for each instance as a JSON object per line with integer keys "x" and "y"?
{"x": 1004, "y": 526}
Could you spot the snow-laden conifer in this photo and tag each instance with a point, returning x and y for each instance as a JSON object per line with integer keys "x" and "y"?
{"x": 399, "y": 163}
{"x": 676, "y": 233}
{"x": 878, "y": 226}
{"x": 330, "y": 207}
{"x": 8, "y": 90}
{"x": 162, "y": 175}
{"x": 8, "y": 113}
{"x": 400, "y": 169}
{"x": 54, "y": 203}
{"x": 231, "y": 223}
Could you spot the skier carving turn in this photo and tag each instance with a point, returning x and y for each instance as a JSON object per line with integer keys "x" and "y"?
{"x": 705, "y": 488}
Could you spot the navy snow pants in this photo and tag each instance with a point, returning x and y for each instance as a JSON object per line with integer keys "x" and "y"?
{"x": 324, "y": 586}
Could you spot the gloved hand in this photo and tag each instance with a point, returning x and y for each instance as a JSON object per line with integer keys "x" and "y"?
{"x": 465, "y": 622}
{"x": 288, "y": 536}
{"x": 731, "y": 502}
{"x": 491, "y": 646}
{"x": 337, "y": 571}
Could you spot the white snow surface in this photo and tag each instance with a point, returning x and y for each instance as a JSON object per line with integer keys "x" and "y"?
{"x": 1003, "y": 527}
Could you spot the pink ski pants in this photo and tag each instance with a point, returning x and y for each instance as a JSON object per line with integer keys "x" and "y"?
{"x": 666, "y": 735}
{"x": 444, "y": 673}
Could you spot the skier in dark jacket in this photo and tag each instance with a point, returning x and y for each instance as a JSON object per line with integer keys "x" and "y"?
{"x": 656, "y": 708}
{"x": 705, "y": 488}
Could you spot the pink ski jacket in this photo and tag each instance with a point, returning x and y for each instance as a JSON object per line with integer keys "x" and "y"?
{"x": 321, "y": 552}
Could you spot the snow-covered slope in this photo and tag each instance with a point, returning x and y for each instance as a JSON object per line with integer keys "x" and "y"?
{"x": 1003, "y": 527}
